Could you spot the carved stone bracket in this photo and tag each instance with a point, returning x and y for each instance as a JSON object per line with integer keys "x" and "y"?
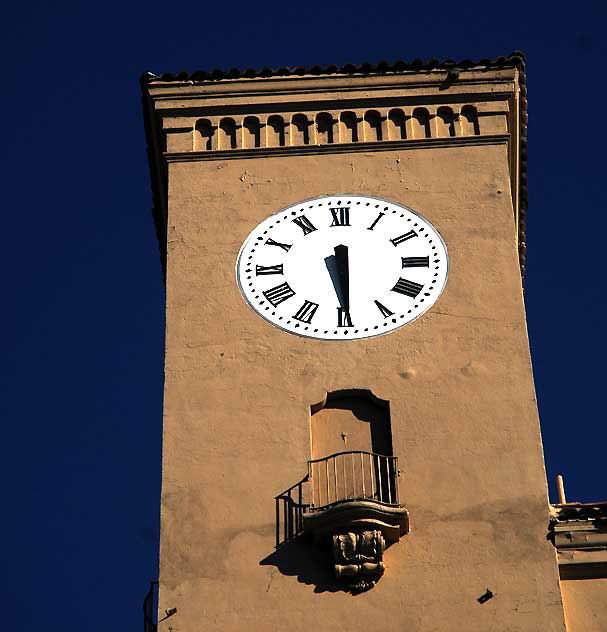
{"x": 355, "y": 509}
{"x": 358, "y": 559}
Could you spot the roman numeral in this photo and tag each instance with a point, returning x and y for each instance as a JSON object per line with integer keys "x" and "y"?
{"x": 306, "y": 312}
{"x": 259, "y": 270}
{"x": 271, "y": 242}
{"x": 341, "y": 216}
{"x": 385, "y": 312}
{"x": 408, "y": 288}
{"x": 305, "y": 224}
{"x": 399, "y": 240}
{"x": 278, "y": 294}
{"x": 415, "y": 262}
{"x": 343, "y": 318}
{"x": 376, "y": 220}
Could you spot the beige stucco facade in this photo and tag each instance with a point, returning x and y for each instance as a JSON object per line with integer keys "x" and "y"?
{"x": 579, "y": 532}
{"x": 585, "y": 604}
{"x": 238, "y": 392}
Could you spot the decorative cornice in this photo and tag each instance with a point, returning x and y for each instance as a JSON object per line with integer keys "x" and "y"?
{"x": 451, "y": 69}
{"x": 196, "y": 156}
{"x": 579, "y": 533}
{"x": 294, "y": 87}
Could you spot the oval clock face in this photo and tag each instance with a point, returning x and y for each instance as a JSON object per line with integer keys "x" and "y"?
{"x": 342, "y": 267}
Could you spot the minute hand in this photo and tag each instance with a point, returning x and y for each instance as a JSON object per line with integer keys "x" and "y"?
{"x": 343, "y": 272}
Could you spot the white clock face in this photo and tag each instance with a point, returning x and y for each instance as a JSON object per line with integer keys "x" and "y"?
{"x": 342, "y": 267}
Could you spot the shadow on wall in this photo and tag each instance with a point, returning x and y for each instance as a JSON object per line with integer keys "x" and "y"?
{"x": 309, "y": 562}
{"x": 351, "y": 450}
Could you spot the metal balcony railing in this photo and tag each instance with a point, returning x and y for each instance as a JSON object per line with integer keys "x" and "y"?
{"x": 353, "y": 475}
{"x": 334, "y": 479}
{"x": 290, "y": 508}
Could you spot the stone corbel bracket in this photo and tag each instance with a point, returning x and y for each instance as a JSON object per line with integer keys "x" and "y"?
{"x": 359, "y": 532}
{"x": 358, "y": 559}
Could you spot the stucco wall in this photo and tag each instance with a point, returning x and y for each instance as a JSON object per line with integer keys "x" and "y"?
{"x": 585, "y": 602}
{"x": 462, "y": 404}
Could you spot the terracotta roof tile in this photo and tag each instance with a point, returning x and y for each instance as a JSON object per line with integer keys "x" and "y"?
{"x": 515, "y": 58}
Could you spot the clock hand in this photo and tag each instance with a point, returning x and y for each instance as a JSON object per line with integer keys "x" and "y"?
{"x": 331, "y": 263}
{"x": 343, "y": 272}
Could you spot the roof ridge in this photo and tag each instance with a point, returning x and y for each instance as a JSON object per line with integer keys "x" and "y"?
{"x": 516, "y": 58}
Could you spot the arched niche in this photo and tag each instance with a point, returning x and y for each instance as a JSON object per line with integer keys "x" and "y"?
{"x": 372, "y": 126}
{"x": 348, "y": 127}
{"x": 324, "y": 128}
{"x": 204, "y": 135}
{"x": 353, "y": 419}
{"x": 300, "y": 130}
{"x": 396, "y": 125}
{"x": 275, "y": 131}
{"x": 251, "y": 132}
{"x": 469, "y": 121}
{"x": 227, "y": 134}
{"x": 420, "y": 123}
{"x": 445, "y": 122}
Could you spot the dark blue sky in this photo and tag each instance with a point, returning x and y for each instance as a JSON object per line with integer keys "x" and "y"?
{"x": 83, "y": 297}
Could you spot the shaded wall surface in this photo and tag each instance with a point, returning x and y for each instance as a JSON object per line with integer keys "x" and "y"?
{"x": 585, "y": 602}
{"x": 458, "y": 380}
{"x": 351, "y": 423}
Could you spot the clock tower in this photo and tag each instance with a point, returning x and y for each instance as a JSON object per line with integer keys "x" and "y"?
{"x": 351, "y": 438}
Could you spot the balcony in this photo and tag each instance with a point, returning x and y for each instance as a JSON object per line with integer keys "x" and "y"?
{"x": 352, "y": 500}
{"x": 355, "y": 491}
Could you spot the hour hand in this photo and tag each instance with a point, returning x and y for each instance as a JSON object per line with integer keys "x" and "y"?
{"x": 343, "y": 274}
{"x": 333, "y": 269}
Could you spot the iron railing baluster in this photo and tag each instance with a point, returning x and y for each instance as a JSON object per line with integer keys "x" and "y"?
{"x": 341, "y": 483}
